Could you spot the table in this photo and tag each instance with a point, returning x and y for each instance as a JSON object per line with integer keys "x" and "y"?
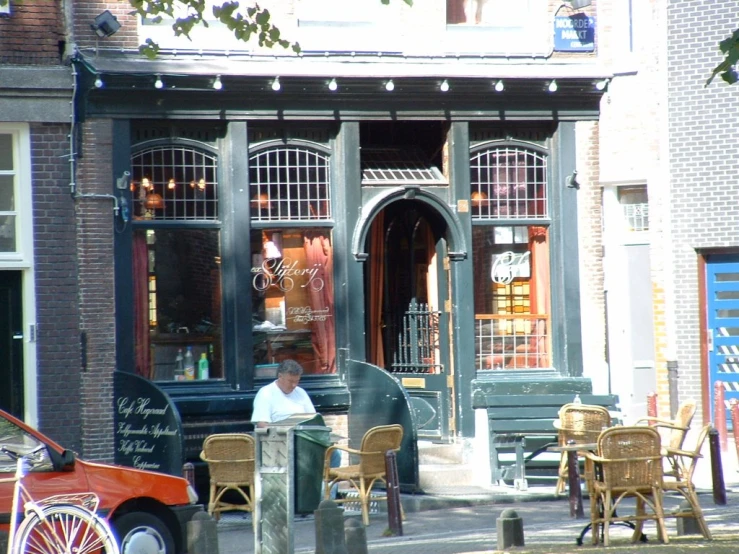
{"x": 573, "y": 474}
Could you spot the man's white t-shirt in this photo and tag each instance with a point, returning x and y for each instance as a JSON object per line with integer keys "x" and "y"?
{"x": 271, "y": 404}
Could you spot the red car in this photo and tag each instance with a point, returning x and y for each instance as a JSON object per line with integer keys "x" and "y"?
{"x": 148, "y": 511}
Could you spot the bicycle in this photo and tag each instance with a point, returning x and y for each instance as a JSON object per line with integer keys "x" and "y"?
{"x": 59, "y": 524}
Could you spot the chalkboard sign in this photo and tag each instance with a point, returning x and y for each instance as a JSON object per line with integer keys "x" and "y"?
{"x": 148, "y": 430}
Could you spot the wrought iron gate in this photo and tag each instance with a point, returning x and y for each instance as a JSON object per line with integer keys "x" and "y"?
{"x": 412, "y": 339}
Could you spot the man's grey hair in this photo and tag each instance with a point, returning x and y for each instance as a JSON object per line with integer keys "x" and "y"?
{"x": 291, "y": 367}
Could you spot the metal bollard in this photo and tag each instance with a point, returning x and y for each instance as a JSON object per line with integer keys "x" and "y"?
{"x": 719, "y": 412}
{"x": 188, "y": 472}
{"x": 717, "y": 472}
{"x": 393, "y": 494}
{"x": 734, "y": 410}
{"x": 652, "y": 405}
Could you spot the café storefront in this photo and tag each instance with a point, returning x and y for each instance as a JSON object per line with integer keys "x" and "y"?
{"x": 431, "y": 239}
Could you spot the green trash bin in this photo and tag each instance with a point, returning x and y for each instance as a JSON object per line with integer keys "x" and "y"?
{"x": 312, "y": 438}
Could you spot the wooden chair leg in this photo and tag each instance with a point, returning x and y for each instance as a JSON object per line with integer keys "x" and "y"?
{"x": 607, "y": 512}
{"x": 364, "y": 501}
{"x": 659, "y": 508}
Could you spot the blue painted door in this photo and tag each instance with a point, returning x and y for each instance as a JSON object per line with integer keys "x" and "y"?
{"x": 722, "y": 284}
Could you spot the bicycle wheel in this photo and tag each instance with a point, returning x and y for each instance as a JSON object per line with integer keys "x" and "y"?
{"x": 65, "y": 529}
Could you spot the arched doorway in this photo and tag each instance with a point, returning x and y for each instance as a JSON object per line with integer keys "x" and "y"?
{"x": 407, "y": 290}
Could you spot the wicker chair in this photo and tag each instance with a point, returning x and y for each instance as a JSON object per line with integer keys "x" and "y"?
{"x": 628, "y": 464}
{"x": 673, "y": 432}
{"x": 230, "y": 459}
{"x": 681, "y": 480}
{"x": 578, "y": 424}
{"x": 370, "y": 466}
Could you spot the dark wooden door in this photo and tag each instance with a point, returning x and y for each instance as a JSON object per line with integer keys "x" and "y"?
{"x": 11, "y": 343}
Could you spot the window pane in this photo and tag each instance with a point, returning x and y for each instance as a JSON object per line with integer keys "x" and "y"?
{"x": 7, "y": 233}
{"x": 293, "y": 299}
{"x": 177, "y": 301}
{"x": 289, "y": 183}
{"x": 508, "y": 183}
{"x": 7, "y": 193}
{"x": 173, "y": 182}
{"x": 6, "y": 152}
{"x": 512, "y": 292}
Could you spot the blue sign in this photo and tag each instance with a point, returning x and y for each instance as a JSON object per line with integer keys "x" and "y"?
{"x": 574, "y": 33}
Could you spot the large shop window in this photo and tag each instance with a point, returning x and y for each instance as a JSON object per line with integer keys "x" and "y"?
{"x": 176, "y": 264}
{"x": 292, "y": 260}
{"x": 510, "y": 259}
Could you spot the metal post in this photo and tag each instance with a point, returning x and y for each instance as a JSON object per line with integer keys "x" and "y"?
{"x": 672, "y": 385}
{"x": 734, "y": 409}
{"x": 393, "y": 494}
{"x": 573, "y": 477}
{"x": 188, "y": 472}
{"x": 717, "y": 472}
{"x": 652, "y": 405}
{"x": 719, "y": 412}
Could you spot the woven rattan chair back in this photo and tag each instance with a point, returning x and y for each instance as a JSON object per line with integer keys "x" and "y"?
{"x": 683, "y": 419}
{"x": 230, "y": 457}
{"x": 375, "y": 443}
{"x": 633, "y": 457}
{"x": 582, "y": 423}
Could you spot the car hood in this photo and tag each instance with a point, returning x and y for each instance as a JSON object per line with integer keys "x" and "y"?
{"x": 114, "y": 484}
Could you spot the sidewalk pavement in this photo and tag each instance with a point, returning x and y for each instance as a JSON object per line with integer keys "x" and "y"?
{"x": 463, "y": 520}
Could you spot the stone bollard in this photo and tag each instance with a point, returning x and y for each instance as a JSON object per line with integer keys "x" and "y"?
{"x": 202, "y": 534}
{"x": 356, "y": 536}
{"x": 329, "y": 520}
{"x": 687, "y": 525}
{"x": 510, "y": 529}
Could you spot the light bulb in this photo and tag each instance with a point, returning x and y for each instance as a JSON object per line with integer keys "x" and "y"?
{"x": 444, "y": 86}
{"x": 601, "y": 85}
{"x": 333, "y": 85}
{"x": 158, "y": 83}
{"x": 390, "y": 86}
{"x": 276, "y": 84}
{"x": 499, "y": 86}
{"x": 98, "y": 82}
{"x": 217, "y": 84}
{"x": 553, "y": 86}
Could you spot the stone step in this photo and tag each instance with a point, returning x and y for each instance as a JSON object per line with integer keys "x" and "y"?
{"x": 445, "y": 476}
{"x": 440, "y": 453}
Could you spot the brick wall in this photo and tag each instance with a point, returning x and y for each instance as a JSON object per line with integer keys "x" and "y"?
{"x": 58, "y": 339}
{"x": 96, "y": 278}
{"x": 704, "y": 165}
{"x": 40, "y": 20}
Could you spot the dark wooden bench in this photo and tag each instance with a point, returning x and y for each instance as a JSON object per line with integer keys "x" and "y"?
{"x": 523, "y": 425}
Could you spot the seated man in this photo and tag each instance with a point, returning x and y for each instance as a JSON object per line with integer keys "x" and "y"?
{"x": 283, "y": 397}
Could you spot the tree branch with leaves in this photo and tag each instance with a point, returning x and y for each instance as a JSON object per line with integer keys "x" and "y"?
{"x": 727, "y": 69}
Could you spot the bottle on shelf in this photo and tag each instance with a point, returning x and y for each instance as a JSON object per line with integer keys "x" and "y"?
{"x": 203, "y": 367}
{"x": 189, "y": 365}
{"x": 179, "y": 366}
{"x": 577, "y": 399}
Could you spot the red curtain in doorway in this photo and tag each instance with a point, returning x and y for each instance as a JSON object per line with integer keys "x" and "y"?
{"x": 319, "y": 255}
{"x": 376, "y": 354}
{"x": 142, "y": 356}
{"x": 539, "y": 288}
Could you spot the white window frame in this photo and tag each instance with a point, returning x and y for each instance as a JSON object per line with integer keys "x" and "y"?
{"x": 22, "y": 258}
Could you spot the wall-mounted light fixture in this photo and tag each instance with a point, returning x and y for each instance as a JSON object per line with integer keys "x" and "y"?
{"x": 159, "y": 83}
{"x": 602, "y": 84}
{"x": 571, "y": 180}
{"x": 552, "y": 86}
{"x": 499, "y": 86}
{"x": 444, "y": 86}
{"x": 390, "y": 86}
{"x": 333, "y": 86}
{"x": 276, "y": 84}
{"x": 217, "y": 84}
{"x": 105, "y": 24}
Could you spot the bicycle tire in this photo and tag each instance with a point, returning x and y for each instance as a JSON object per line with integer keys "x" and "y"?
{"x": 64, "y": 529}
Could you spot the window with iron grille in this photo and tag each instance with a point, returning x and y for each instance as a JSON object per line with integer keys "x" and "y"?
{"x": 508, "y": 182}
{"x": 510, "y": 258}
{"x": 176, "y": 265}
{"x": 174, "y": 182}
{"x": 289, "y": 183}
{"x": 635, "y": 204}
